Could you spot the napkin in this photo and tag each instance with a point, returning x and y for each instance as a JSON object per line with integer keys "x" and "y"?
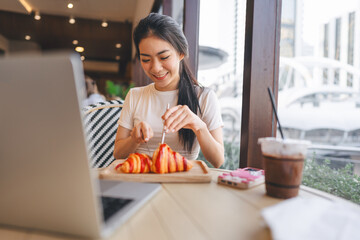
{"x": 313, "y": 218}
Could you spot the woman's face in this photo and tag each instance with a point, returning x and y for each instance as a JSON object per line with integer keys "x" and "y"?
{"x": 160, "y": 62}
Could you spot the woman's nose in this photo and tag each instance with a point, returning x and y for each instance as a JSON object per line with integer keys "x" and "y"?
{"x": 156, "y": 66}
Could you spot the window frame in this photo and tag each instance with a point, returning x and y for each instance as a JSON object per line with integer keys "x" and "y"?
{"x": 261, "y": 70}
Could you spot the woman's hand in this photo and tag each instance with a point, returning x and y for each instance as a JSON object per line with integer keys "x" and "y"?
{"x": 181, "y": 116}
{"x": 211, "y": 143}
{"x": 127, "y": 141}
{"x": 142, "y": 132}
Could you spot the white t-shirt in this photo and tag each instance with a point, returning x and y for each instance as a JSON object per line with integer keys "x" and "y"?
{"x": 148, "y": 104}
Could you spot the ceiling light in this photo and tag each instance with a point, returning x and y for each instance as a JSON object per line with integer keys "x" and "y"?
{"x": 37, "y": 16}
{"x": 117, "y": 57}
{"x": 118, "y": 45}
{"x": 79, "y": 49}
{"x": 26, "y": 6}
{"x": 82, "y": 58}
{"x": 71, "y": 20}
{"x": 27, "y": 37}
{"x": 70, "y": 5}
{"x": 75, "y": 42}
{"x": 104, "y": 23}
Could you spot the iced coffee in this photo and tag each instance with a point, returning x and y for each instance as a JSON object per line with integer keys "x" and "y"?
{"x": 283, "y": 164}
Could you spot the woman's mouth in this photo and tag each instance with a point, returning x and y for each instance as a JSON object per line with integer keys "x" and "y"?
{"x": 160, "y": 77}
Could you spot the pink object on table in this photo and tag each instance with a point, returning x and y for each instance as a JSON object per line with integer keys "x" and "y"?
{"x": 242, "y": 177}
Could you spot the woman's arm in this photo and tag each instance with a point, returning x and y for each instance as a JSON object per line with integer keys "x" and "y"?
{"x": 124, "y": 144}
{"x": 127, "y": 141}
{"x": 211, "y": 143}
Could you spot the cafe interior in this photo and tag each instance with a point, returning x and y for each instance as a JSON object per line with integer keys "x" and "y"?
{"x": 204, "y": 202}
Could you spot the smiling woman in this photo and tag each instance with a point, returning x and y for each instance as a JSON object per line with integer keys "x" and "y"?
{"x": 193, "y": 120}
{"x": 160, "y": 62}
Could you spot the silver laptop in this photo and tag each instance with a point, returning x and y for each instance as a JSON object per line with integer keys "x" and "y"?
{"x": 45, "y": 178}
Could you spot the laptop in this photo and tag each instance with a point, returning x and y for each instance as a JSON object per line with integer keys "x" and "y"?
{"x": 46, "y": 181}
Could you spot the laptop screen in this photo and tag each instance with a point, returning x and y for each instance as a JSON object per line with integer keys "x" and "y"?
{"x": 45, "y": 170}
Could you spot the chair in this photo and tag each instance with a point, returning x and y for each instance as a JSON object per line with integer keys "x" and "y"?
{"x": 100, "y": 129}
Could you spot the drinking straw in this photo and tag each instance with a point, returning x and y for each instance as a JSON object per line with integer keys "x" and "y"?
{"x": 276, "y": 115}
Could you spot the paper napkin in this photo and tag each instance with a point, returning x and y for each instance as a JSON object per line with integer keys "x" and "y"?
{"x": 313, "y": 218}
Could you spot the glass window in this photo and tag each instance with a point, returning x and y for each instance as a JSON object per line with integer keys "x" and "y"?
{"x": 337, "y": 76}
{"x": 326, "y": 40}
{"x": 349, "y": 82}
{"x": 178, "y": 11}
{"x": 221, "y": 54}
{"x": 326, "y": 51}
{"x": 319, "y": 88}
{"x": 351, "y": 30}
{"x": 287, "y": 46}
{"x": 337, "y": 38}
{"x": 325, "y": 76}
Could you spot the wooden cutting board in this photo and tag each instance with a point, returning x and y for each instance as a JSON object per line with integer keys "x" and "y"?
{"x": 198, "y": 173}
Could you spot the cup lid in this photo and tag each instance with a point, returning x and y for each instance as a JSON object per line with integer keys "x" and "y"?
{"x": 278, "y": 147}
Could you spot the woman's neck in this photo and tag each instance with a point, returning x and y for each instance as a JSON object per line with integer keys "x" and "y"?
{"x": 170, "y": 87}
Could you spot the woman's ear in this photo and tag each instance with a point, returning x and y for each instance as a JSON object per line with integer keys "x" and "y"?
{"x": 181, "y": 57}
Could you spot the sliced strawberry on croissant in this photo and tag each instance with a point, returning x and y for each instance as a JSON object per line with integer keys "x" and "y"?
{"x": 165, "y": 160}
{"x": 135, "y": 163}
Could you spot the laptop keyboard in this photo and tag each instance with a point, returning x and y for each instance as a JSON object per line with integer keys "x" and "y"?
{"x": 113, "y": 205}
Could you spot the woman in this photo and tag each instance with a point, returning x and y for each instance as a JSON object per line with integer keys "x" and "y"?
{"x": 93, "y": 95}
{"x": 193, "y": 120}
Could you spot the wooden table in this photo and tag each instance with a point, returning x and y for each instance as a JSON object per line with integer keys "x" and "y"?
{"x": 191, "y": 211}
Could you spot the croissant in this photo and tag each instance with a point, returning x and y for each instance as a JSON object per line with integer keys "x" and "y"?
{"x": 165, "y": 160}
{"x": 135, "y": 163}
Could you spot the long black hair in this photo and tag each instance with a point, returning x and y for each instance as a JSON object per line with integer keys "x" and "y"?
{"x": 167, "y": 29}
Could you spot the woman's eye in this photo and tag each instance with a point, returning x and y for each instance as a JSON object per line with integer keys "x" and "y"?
{"x": 145, "y": 60}
{"x": 164, "y": 58}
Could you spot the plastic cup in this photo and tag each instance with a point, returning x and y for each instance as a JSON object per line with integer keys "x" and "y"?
{"x": 283, "y": 162}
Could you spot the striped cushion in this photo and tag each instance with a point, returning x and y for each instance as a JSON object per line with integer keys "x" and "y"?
{"x": 100, "y": 127}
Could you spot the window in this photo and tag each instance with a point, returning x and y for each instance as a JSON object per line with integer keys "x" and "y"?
{"x": 337, "y": 77}
{"x": 351, "y": 29}
{"x": 323, "y": 106}
{"x": 325, "y": 76}
{"x": 349, "y": 82}
{"x": 326, "y": 52}
{"x": 326, "y": 40}
{"x": 221, "y": 54}
{"x": 288, "y": 29}
{"x": 337, "y": 38}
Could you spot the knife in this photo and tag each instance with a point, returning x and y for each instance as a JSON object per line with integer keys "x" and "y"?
{"x": 163, "y": 131}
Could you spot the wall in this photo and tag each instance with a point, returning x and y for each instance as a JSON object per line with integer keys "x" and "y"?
{"x": 143, "y": 8}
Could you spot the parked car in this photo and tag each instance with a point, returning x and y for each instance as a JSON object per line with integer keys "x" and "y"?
{"x": 314, "y": 114}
